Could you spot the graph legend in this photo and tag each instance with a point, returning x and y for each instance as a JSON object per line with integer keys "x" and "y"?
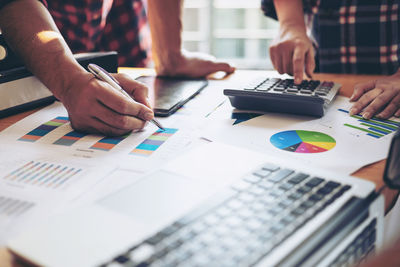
{"x": 70, "y": 138}
{"x": 44, "y": 129}
{"x": 42, "y": 174}
{"x": 299, "y": 141}
{"x": 374, "y": 127}
{"x": 153, "y": 142}
{"x": 108, "y": 143}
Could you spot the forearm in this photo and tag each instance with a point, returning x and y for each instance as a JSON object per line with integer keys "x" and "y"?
{"x": 36, "y": 39}
{"x": 290, "y": 14}
{"x": 165, "y": 18}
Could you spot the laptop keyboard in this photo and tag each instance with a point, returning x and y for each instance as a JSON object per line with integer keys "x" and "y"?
{"x": 240, "y": 224}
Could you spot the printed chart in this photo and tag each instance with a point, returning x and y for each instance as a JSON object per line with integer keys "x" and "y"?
{"x": 108, "y": 143}
{"x": 240, "y": 117}
{"x": 42, "y": 174}
{"x": 44, "y": 129}
{"x": 11, "y": 207}
{"x": 374, "y": 127}
{"x": 299, "y": 141}
{"x": 153, "y": 142}
{"x": 70, "y": 138}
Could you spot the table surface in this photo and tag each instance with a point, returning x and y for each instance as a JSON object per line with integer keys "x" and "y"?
{"x": 372, "y": 172}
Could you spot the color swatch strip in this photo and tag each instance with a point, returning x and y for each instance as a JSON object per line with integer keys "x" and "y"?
{"x": 44, "y": 129}
{"x": 153, "y": 142}
{"x": 70, "y": 138}
{"x": 374, "y": 127}
{"x": 42, "y": 174}
{"x": 108, "y": 143}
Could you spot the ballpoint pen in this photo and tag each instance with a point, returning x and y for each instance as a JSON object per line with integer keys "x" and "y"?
{"x": 103, "y": 75}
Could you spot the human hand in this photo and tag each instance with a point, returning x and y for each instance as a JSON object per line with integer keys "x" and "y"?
{"x": 381, "y": 97}
{"x": 94, "y": 106}
{"x": 193, "y": 65}
{"x": 292, "y": 52}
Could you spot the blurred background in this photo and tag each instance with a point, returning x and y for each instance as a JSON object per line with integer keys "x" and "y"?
{"x": 233, "y": 30}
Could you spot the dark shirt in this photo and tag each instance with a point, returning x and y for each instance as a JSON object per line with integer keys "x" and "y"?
{"x": 352, "y": 36}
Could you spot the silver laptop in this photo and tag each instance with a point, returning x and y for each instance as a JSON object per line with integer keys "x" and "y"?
{"x": 217, "y": 206}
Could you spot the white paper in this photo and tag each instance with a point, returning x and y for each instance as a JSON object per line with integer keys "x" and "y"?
{"x": 353, "y": 148}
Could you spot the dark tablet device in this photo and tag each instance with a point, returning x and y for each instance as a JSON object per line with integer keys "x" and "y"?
{"x": 171, "y": 93}
{"x": 391, "y": 175}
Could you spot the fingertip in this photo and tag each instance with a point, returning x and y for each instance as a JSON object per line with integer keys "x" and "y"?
{"x": 367, "y": 115}
{"x": 353, "y": 111}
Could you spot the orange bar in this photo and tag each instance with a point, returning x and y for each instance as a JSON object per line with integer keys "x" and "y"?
{"x": 141, "y": 151}
{"x": 103, "y": 146}
{"x": 31, "y": 137}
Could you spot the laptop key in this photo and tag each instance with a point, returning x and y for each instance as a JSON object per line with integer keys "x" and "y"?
{"x": 314, "y": 182}
{"x": 280, "y": 175}
{"x": 298, "y": 178}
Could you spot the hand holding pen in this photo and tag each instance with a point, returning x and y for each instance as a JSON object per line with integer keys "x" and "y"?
{"x": 103, "y": 75}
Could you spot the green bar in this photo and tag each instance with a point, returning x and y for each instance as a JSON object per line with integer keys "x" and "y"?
{"x": 364, "y": 130}
{"x": 53, "y": 123}
{"x": 158, "y": 137}
{"x": 394, "y": 128}
{"x": 377, "y": 128}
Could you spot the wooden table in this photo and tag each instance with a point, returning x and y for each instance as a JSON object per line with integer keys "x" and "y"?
{"x": 373, "y": 172}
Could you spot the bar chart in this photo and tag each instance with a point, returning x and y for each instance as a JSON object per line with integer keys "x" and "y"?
{"x": 375, "y": 128}
{"x": 44, "y": 129}
{"x": 70, "y": 138}
{"x": 153, "y": 142}
{"x": 108, "y": 143}
{"x": 42, "y": 174}
{"x": 11, "y": 207}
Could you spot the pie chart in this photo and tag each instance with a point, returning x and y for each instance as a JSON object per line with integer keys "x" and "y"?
{"x": 299, "y": 141}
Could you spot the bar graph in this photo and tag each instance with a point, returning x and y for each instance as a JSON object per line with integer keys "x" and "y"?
{"x": 153, "y": 142}
{"x": 375, "y": 128}
{"x": 108, "y": 143}
{"x": 42, "y": 174}
{"x": 11, "y": 207}
{"x": 44, "y": 129}
{"x": 70, "y": 138}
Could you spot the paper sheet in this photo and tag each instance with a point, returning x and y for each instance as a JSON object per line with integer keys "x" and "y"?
{"x": 341, "y": 143}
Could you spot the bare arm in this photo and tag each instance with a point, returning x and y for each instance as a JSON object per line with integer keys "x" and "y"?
{"x": 292, "y": 51}
{"x": 92, "y": 105}
{"x": 165, "y": 17}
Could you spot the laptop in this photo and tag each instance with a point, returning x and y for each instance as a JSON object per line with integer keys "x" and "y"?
{"x": 217, "y": 205}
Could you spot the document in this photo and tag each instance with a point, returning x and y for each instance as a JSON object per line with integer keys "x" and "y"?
{"x": 336, "y": 141}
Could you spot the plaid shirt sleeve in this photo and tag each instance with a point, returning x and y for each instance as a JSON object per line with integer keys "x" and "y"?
{"x": 267, "y": 6}
{"x": 105, "y": 25}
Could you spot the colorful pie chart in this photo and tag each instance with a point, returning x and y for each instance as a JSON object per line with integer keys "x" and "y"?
{"x": 300, "y": 141}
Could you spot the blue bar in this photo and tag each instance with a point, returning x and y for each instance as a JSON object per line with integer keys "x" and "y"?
{"x": 373, "y": 135}
{"x": 377, "y": 125}
{"x": 38, "y": 132}
{"x": 110, "y": 140}
{"x": 153, "y": 142}
{"x": 76, "y": 134}
{"x": 62, "y": 118}
{"x": 147, "y": 147}
{"x": 376, "y": 130}
{"x": 342, "y": 110}
{"x": 397, "y": 124}
{"x": 167, "y": 130}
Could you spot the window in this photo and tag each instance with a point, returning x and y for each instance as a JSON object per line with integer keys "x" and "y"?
{"x": 233, "y": 30}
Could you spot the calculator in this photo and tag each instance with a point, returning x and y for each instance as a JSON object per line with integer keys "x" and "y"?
{"x": 311, "y": 97}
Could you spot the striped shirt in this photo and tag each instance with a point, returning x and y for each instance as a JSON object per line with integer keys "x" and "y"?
{"x": 351, "y": 36}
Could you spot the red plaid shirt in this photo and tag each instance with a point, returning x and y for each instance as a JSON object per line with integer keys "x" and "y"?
{"x": 105, "y": 25}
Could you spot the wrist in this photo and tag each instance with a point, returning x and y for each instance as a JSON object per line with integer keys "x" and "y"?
{"x": 167, "y": 62}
